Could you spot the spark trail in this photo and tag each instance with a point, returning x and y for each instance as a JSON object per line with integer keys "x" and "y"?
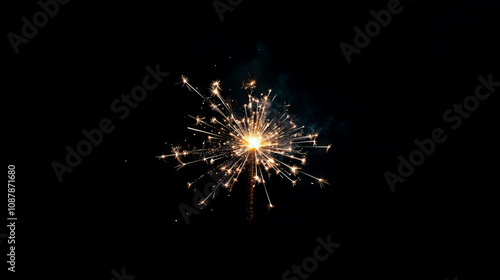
{"x": 255, "y": 141}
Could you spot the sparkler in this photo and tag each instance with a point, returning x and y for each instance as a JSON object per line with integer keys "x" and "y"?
{"x": 257, "y": 142}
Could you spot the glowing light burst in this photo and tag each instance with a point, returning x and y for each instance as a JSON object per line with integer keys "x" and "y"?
{"x": 257, "y": 142}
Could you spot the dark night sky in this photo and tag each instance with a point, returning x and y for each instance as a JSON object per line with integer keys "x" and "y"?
{"x": 119, "y": 205}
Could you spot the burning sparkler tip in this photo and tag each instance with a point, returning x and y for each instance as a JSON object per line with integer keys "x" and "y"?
{"x": 254, "y": 141}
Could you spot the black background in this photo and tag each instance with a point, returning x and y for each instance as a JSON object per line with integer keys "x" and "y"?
{"x": 119, "y": 207}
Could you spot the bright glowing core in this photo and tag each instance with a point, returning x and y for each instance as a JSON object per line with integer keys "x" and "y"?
{"x": 253, "y": 143}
